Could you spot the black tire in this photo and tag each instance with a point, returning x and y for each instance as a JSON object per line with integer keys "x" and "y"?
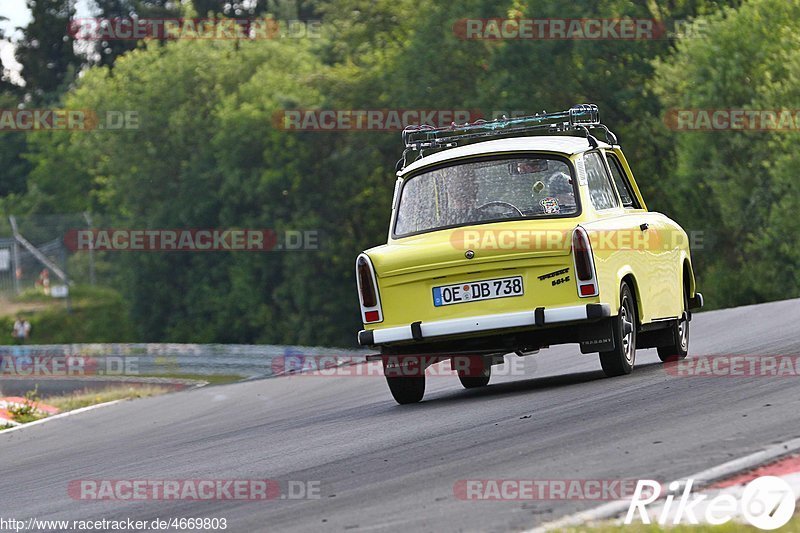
{"x": 621, "y": 359}
{"x": 406, "y": 389}
{"x": 478, "y": 374}
{"x": 679, "y": 349}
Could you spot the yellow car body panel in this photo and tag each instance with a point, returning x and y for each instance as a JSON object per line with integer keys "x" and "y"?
{"x": 408, "y": 270}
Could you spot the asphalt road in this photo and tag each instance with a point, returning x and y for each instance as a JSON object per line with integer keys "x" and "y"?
{"x": 384, "y": 467}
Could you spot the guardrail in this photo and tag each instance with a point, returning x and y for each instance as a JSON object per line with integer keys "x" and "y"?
{"x": 246, "y": 360}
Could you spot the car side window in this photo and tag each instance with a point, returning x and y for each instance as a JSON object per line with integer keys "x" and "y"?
{"x": 601, "y": 192}
{"x": 621, "y": 181}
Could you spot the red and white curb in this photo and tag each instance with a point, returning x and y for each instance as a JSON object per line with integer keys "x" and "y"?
{"x": 743, "y": 498}
{"x": 65, "y": 414}
{"x": 6, "y": 419}
{"x": 11, "y": 402}
{"x": 732, "y": 477}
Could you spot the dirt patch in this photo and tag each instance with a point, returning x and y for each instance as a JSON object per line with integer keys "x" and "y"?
{"x": 9, "y": 308}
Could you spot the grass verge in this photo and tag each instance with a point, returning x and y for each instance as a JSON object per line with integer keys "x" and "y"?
{"x": 85, "y": 398}
{"x": 222, "y": 379}
{"x": 96, "y": 314}
{"x": 69, "y": 402}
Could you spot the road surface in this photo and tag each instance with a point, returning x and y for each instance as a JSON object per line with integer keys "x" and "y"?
{"x": 384, "y": 467}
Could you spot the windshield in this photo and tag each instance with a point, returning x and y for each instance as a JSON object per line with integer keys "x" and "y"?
{"x": 486, "y": 191}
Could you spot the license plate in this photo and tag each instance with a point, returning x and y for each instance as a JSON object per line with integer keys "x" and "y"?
{"x": 475, "y": 291}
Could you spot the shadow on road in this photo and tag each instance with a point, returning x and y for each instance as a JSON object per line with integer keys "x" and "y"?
{"x": 525, "y": 386}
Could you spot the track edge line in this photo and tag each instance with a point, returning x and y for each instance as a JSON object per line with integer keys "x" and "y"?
{"x": 704, "y": 478}
{"x": 60, "y": 415}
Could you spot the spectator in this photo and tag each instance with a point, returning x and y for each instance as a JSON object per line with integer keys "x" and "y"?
{"x": 19, "y": 331}
{"x": 43, "y": 282}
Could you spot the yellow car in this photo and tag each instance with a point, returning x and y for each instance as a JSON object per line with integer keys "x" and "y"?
{"x": 503, "y": 240}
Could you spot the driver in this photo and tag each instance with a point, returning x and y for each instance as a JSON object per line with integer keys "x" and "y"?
{"x": 462, "y": 192}
{"x": 557, "y": 195}
{"x": 463, "y": 204}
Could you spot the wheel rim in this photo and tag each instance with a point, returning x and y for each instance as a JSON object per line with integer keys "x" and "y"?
{"x": 625, "y": 316}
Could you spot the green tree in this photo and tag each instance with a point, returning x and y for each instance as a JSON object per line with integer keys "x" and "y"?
{"x": 205, "y": 155}
{"x": 13, "y": 167}
{"x": 49, "y": 63}
{"x": 739, "y": 187}
{"x": 207, "y": 152}
{"x": 5, "y": 83}
{"x": 107, "y": 50}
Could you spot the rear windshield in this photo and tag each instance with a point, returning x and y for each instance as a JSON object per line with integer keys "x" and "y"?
{"x": 486, "y": 191}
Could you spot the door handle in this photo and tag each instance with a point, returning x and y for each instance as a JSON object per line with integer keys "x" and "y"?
{"x": 644, "y": 226}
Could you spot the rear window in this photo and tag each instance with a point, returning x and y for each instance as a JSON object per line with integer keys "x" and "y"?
{"x": 486, "y": 191}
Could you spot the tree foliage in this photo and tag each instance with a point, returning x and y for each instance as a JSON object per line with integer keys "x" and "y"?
{"x": 740, "y": 187}
{"x": 208, "y": 153}
{"x": 46, "y": 50}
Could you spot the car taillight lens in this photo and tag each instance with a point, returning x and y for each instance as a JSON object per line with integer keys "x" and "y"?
{"x": 588, "y": 290}
{"x": 584, "y": 263}
{"x": 582, "y": 249}
{"x": 368, "y": 295}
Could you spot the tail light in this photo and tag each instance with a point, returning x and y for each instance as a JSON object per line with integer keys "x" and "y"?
{"x": 368, "y": 290}
{"x": 365, "y": 286}
{"x": 585, "y": 273}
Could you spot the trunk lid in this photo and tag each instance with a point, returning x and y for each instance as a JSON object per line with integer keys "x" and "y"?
{"x": 490, "y": 245}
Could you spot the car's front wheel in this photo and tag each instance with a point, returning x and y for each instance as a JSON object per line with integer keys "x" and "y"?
{"x": 620, "y": 360}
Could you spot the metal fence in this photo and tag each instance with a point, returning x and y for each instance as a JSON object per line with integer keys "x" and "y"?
{"x": 244, "y": 360}
{"x": 33, "y": 253}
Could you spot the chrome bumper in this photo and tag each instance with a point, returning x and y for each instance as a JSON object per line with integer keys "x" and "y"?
{"x": 538, "y": 317}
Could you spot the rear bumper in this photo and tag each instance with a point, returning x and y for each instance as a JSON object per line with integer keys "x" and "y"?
{"x": 539, "y": 317}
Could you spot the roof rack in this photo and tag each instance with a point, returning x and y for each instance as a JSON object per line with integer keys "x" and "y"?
{"x": 582, "y": 117}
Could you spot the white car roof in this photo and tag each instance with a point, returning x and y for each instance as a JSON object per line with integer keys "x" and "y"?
{"x": 561, "y": 144}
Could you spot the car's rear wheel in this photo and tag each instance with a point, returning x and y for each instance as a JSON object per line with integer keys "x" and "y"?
{"x": 679, "y": 349}
{"x": 406, "y": 389}
{"x": 476, "y": 372}
{"x": 406, "y": 379}
{"x": 621, "y": 359}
